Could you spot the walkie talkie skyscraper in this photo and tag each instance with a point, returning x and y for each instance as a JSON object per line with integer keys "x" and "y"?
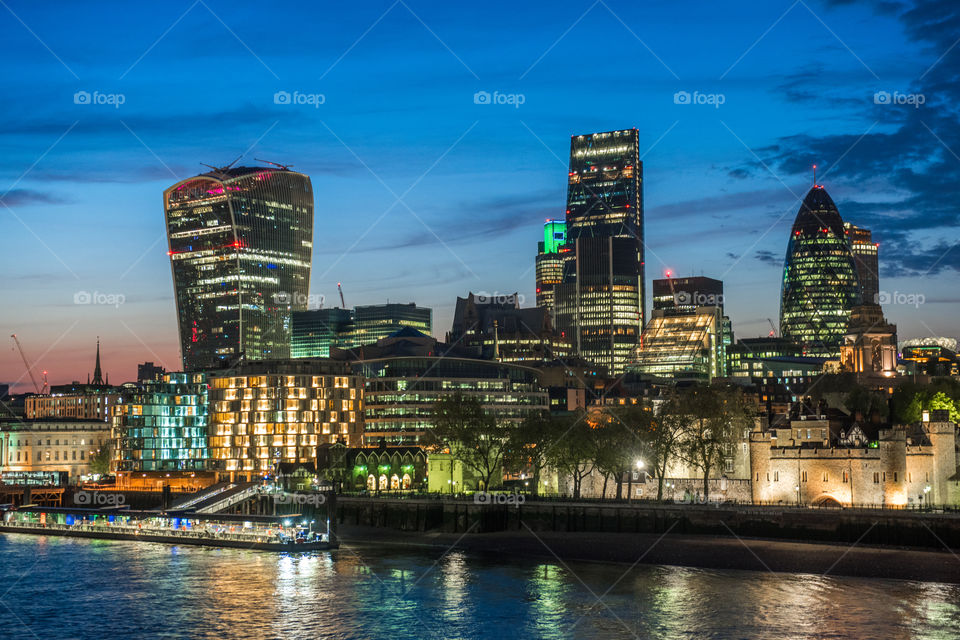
{"x": 240, "y": 245}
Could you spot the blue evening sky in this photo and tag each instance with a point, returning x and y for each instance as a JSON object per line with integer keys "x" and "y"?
{"x": 421, "y": 194}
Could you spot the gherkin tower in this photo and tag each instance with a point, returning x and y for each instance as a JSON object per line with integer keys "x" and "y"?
{"x": 820, "y": 284}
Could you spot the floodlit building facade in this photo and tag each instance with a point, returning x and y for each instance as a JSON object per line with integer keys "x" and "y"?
{"x": 240, "y": 244}
{"x": 163, "y": 426}
{"x": 52, "y": 445}
{"x": 820, "y": 285}
{"x": 266, "y": 413}
{"x": 600, "y": 303}
{"x": 812, "y": 461}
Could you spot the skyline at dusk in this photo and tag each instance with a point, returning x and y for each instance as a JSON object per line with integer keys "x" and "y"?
{"x": 436, "y": 138}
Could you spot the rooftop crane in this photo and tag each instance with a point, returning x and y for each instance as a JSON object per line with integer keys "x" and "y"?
{"x": 340, "y": 289}
{"x": 23, "y": 356}
{"x": 773, "y": 329}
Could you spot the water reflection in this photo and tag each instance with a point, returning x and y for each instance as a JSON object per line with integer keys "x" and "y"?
{"x": 95, "y": 589}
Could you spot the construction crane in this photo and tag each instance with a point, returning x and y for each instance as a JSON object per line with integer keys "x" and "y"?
{"x": 26, "y": 363}
{"x": 340, "y": 289}
{"x": 773, "y": 329}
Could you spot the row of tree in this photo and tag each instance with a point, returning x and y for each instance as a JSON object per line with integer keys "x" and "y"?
{"x": 697, "y": 425}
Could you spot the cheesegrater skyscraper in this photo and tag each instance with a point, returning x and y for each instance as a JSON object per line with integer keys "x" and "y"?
{"x": 241, "y": 243}
{"x": 600, "y": 303}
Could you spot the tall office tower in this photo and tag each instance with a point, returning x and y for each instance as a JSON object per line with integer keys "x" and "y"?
{"x": 865, "y": 256}
{"x": 550, "y": 263}
{"x": 600, "y": 303}
{"x": 241, "y": 241}
{"x": 820, "y": 285}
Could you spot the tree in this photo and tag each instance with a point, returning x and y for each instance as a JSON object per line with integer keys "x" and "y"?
{"x": 714, "y": 419}
{"x": 627, "y": 438}
{"x": 941, "y": 401}
{"x": 529, "y": 442}
{"x": 910, "y": 399}
{"x": 662, "y": 433}
{"x": 572, "y": 453}
{"x": 867, "y": 403}
{"x": 475, "y": 437}
{"x": 100, "y": 461}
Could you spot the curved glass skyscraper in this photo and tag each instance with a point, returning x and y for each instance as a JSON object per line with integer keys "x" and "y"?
{"x": 820, "y": 284}
{"x": 241, "y": 243}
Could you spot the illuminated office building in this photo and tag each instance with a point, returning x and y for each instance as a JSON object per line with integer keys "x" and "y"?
{"x": 407, "y": 373}
{"x": 683, "y": 345}
{"x": 866, "y": 258}
{"x": 600, "y": 303}
{"x": 270, "y": 412}
{"x": 317, "y": 330}
{"x": 820, "y": 285}
{"x": 163, "y": 426}
{"x": 550, "y": 263}
{"x": 240, "y": 245}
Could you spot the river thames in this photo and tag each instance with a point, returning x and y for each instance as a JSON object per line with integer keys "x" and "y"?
{"x": 68, "y": 588}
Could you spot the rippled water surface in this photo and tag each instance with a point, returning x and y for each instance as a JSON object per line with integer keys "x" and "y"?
{"x": 64, "y": 588}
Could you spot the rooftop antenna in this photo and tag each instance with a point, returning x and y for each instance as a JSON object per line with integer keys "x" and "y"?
{"x": 814, "y": 175}
{"x": 285, "y": 167}
{"x": 222, "y": 170}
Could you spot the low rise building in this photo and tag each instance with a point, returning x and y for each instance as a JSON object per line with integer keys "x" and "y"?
{"x": 53, "y": 445}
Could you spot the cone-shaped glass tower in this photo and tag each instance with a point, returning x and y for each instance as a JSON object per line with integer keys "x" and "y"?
{"x": 820, "y": 284}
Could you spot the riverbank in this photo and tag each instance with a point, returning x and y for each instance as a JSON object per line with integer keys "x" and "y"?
{"x": 708, "y": 552}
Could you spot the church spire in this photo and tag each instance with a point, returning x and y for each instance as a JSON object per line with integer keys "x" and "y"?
{"x": 97, "y": 373}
